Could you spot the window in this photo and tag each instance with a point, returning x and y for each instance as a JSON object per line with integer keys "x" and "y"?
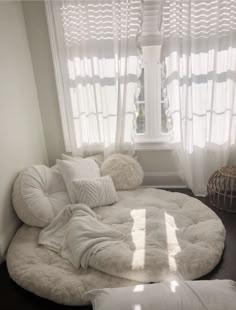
{"x": 96, "y": 61}
{"x": 140, "y": 118}
{"x": 79, "y": 126}
{"x": 151, "y": 121}
{"x": 151, "y": 118}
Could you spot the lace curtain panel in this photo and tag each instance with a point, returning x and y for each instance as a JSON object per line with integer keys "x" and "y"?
{"x": 101, "y": 62}
{"x": 199, "y": 58}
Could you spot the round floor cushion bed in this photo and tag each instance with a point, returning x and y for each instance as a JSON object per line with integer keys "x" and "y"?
{"x": 171, "y": 234}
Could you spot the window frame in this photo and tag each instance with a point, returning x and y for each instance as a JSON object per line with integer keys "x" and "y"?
{"x": 153, "y": 134}
{"x": 153, "y": 138}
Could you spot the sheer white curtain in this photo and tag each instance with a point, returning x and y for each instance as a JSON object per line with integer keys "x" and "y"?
{"x": 100, "y": 67}
{"x": 199, "y": 58}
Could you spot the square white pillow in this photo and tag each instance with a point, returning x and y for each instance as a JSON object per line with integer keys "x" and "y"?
{"x": 184, "y": 295}
{"x": 98, "y": 158}
{"x": 77, "y": 169}
{"x": 95, "y": 192}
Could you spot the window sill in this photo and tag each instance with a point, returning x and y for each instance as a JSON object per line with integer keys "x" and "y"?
{"x": 158, "y": 144}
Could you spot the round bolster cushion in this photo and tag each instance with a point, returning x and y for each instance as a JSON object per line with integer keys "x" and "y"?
{"x": 39, "y": 194}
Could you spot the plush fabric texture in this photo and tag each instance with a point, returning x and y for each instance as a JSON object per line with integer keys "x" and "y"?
{"x": 98, "y": 158}
{"x": 47, "y": 275}
{"x": 76, "y": 235}
{"x": 125, "y": 171}
{"x": 189, "y": 240}
{"x": 77, "y": 169}
{"x": 39, "y": 193}
{"x": 95, "y": 192}
{"x": 173, "y": 295}
{"x": 162, "y": 234}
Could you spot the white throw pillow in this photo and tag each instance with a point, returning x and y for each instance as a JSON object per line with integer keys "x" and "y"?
{"x": 98, "y": 158}
{"x": 77, "y": 169}
{"x": 194, "y": 295}
{"x": 95, "y": 192}
{"x": 39, "y": 194}
{"x": 125, "y": 171}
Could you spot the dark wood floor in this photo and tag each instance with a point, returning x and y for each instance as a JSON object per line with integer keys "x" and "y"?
{"x": 14, "y": 297}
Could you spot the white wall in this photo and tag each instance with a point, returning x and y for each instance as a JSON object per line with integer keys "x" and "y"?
{"x": 232, "y": 158}
{"x": 21, "y": 133}
{"x": 160, "y": 167}
{"x": 38, "y": 37}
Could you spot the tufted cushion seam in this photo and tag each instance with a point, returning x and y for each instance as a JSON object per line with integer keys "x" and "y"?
{"x": 26, "y": 201}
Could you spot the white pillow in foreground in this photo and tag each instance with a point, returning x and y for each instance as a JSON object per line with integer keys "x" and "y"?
{"x": 188, "y": 295}
{"x": 95, "y": 192}
{"x": 77, "y": 169}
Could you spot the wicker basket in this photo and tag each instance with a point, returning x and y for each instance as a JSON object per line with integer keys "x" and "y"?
{"x": 221, "y": 189}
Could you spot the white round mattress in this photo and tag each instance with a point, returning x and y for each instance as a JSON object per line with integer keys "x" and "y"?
{"x": 189, "y": 239}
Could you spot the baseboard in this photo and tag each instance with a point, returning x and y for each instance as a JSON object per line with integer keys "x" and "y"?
{"x": 163, "y": 179}
{"x": 164, "y": 186}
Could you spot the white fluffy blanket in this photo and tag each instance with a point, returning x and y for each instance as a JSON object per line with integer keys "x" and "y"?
{"x": 76, "y": 234}
{"x": 147, "y": 236}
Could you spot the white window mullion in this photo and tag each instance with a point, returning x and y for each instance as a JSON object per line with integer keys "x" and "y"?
{"x": 158, "y": 100}
{"x": 154, "y": 103}
{"x": 147, "y": 95}
{"x": 151, "y": 45}
{"x": 152, "y": 81}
